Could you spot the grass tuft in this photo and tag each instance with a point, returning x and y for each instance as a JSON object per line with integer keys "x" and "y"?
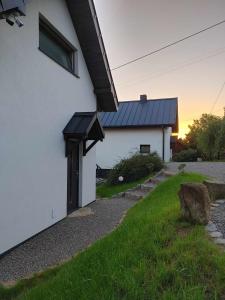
{"x": 106, "y": 190}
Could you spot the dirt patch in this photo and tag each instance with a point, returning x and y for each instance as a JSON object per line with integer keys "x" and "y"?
{"x": 183, "y": 231}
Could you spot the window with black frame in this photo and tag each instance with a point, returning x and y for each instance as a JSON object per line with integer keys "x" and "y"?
{"x": 145, "y": 149}
{"x": 54, "y": 45}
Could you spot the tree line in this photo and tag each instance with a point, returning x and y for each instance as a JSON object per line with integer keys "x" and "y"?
{"x": 207, "y": 136}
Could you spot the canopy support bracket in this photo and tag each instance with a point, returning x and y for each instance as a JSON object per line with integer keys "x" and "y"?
{"x": 87, "y": 149}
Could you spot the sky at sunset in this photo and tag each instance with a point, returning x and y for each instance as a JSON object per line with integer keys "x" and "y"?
{"x": 193, "y": 70}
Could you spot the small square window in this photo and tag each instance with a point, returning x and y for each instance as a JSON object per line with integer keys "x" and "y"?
{"x": 145, "y": 149}
{"x": 54, "y": 45}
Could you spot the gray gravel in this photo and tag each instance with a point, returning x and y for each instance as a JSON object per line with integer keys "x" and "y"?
{"x": 63, "y": 240}
{"x": 218, "y": 218}
{"x": 211, "y": 169}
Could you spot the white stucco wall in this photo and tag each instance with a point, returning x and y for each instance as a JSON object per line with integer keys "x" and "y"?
{"x": 168, "y": 133}
{"x": 121, "y": 143}
{"x": 88, "y": 177}
{"x": 38, "y": 98}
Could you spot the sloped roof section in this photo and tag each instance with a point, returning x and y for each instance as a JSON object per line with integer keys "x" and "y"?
{"x": 86, "y": 24}
{"x": 148, "y": 113}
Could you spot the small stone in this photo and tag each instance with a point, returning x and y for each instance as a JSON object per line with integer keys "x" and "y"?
{"x": 210, "y": 227}
{"x": 220, "y": 241}
{"x": 220, "y": 201}
{"x": 214, "y": 205}
{"x": 216, "y": 234}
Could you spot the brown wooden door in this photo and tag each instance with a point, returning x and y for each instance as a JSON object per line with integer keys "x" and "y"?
{"x": 73, "y": 179}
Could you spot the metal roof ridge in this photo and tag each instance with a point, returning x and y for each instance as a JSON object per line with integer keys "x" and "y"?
{"x": 149, "y": 100}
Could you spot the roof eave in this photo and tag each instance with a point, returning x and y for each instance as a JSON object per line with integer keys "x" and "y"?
{"x": 88, "y": 31}
{"x": 140, "y": 126}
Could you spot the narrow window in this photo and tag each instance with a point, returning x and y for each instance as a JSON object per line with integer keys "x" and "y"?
{"x": 54, "y": 45}
{"x": 145, "y": 149}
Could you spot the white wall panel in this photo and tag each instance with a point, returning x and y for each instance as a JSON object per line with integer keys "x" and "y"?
{"x": 38, "y": 98}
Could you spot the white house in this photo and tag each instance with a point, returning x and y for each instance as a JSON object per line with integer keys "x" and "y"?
{"x": 138, "y": 126}
{"x": 54, "y": 77}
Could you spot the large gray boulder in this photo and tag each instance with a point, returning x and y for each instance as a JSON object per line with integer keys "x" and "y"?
{"x": 216, "y": 189}
{"x": 195, "y": 203}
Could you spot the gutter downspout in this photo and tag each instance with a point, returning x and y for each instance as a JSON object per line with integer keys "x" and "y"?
{"x": 163, "y": 144}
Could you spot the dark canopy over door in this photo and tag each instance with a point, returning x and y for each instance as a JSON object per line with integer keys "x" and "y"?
{"x": 83, "y": 127}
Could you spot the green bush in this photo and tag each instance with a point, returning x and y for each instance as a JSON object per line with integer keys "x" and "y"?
{"x": 186, "y": 155}
{"x": 135, "y": 167}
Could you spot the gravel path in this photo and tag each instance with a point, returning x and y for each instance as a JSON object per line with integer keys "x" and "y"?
{"x": 63, "y": 240}
{"x": 212, "y": 169}
{"x": 218, "y": 218}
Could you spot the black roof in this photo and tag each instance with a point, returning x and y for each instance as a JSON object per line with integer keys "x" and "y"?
{"x": 84, "y": 126}
{"x": 148, "y": 113}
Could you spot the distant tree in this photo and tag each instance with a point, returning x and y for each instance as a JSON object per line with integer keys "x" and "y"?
{"x": 220, "y": 139}
{"x": 191, "y": 139}
{"x": 207, "y": 141}
{"x": 207, "y": 136}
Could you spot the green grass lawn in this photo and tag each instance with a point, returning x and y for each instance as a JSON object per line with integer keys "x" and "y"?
{"x": 106, "y": 191}
{"x": 152, "y": 255}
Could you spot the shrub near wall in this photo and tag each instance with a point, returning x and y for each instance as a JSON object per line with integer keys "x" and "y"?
{"x": 135, "y": 167}
{"x": 186, "y": 155}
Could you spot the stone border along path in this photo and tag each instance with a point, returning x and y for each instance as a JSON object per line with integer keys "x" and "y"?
{"x": 75, "y": 233}
{"x": 216, "y": 227}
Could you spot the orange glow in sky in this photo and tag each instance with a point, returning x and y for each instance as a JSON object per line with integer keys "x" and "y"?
{"x": 183, "y": 129}
{"x": 193, "y": 71}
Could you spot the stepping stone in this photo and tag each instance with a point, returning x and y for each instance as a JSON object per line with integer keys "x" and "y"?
{"x": 147, "y": 186}
{"x": 168, "y": 173}
{"x": 135, "y": 195}
{"x": 82, "y": 212}
{"x": 210, "y": 227}
{"x": 120, "y": 195}
{"x": 216, "y": 234}
{"x": 158, "y": 179}
{"x": 220, "y": 241}
{"x": 220, "y": 201}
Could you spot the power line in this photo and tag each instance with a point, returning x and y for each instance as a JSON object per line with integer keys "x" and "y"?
{"x": 217, "y": 97}
{"x": 174, "y": 69}
{"x": 167, "y": 46}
